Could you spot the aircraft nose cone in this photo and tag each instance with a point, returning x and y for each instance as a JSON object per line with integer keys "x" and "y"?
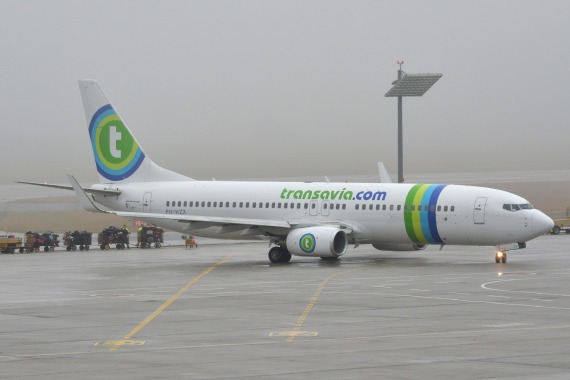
{"x": 541, "y": 223}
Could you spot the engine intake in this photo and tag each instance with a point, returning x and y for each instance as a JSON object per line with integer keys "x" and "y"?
{"x": 317, "y": 242}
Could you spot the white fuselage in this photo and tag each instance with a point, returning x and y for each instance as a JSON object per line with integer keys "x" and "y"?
{"x": 377, "y": 213}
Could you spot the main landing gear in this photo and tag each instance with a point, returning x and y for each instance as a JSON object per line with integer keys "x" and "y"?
{"x": 279, "y": 255}
{"x": 501, "y": 257}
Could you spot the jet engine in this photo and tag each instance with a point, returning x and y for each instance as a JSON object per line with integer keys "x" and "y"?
{"x": 399, "y": 246}
{"x": 317, "y": 242}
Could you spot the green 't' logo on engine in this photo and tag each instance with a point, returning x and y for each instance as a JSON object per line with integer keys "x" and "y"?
{"x": 308, "y": 243}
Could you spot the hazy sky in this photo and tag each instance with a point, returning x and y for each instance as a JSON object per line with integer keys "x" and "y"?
{"x": 253, "y": 89}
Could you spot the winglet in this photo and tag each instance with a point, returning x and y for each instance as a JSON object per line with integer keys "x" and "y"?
{"x": 384, "y": 176}
{"x": 86, "y": 203}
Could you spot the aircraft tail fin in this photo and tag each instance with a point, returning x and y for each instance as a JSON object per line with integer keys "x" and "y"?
{"x": 118, "y": 155}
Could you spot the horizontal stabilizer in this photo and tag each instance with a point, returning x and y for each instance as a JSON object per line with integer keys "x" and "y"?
{"x": 62, "y": 187}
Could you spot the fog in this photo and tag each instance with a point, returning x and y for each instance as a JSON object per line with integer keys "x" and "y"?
{"x": 259, "y": 89}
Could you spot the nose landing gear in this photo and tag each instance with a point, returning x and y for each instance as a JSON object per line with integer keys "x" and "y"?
{"x": 500, "y": 257}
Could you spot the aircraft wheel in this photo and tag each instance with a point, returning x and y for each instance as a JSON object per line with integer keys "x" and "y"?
{"x": 497, "y": 259}
{"x": 106, "y": 247}
{"x": 275, "y": 255}
{"x": 504, "y": 258}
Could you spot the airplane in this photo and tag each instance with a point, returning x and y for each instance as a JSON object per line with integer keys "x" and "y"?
{"x": 307, "y": 219}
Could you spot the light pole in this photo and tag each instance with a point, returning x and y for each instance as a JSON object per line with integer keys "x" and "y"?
{"x": 408, "y": 85}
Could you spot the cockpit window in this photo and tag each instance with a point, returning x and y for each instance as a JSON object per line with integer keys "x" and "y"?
{"x": 517, "y": 207}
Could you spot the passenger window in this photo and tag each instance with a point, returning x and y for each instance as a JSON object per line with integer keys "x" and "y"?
{"x": 371, "y": 207}
{"x": 377, "y": 207}
{"x": 167, "y": 203}
{"x": 209, "y": 204}
{"x": 279, "y": 205}
{"x": 273, "y": 205}
{"x": 391, "y": 207}
{"x": 413, "y": 207}
{"x": 439, "y": 208}
{"x": 325, "y": 206}
{"x": 399, "y": 207}
{"x": 234, "y": 205}
{"x": 314, "y": 205}
{"x": 452, "y": 208}
{"x": 246, "y": 204}
{"x": 306, "y": 206}
{"x": 356, "y": 206}
{"x": 338, "y": 206}
{"x": 190, "y": 203}
{"x": 203, "y": 204}
{"x": 405, "y": 207}
{"x": 260, "y": 204}
{"x": 267, "y": 205}
{"x": 383, "y": 207}
{"x": 221, "y": 204}
{"x": 253, "y": 205}
{"x": 215, "y": 204}
{"x": 228, "y": 204}
{"x": 298, "y": 205}
{"x": 344, "y": 206}
{"x": 445, "y": 208}
{"x": 432, "y": 208}
{"x": 284, "y": 205}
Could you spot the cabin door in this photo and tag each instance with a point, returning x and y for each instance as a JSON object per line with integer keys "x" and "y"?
{"x": 479, "y": 210}
{"x": 147, "y": 197}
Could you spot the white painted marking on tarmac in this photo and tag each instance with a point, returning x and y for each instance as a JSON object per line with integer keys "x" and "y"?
{"x": 507, "y": 325}
{"x": 420, "y": 290}
{"x": 495, "y": 296}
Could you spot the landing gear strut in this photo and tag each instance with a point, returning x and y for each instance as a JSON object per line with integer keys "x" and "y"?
{"x": 501, "y": 257}
{"x": 279, "y": 255}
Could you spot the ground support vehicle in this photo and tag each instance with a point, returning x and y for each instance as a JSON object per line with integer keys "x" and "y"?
{"x": 561, "y": 225}
{"x": 34, "y": 241}
{"x": 77, "y": 239}
{"x": 150, "y": 236}
{"x": 113, "y": 235}
{"x": 10, "y": 243}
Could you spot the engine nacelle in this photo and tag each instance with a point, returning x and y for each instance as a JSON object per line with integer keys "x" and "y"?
{"x": 399, "y": 246}
{"x": 317, "y": 242}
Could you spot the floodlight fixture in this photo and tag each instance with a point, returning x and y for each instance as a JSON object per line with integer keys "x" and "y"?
{"x": 408, "y": 85}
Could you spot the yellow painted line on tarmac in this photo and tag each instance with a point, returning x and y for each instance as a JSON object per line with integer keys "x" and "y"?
{"x": 297, "y": 329}
{"x": 114, "y": 345}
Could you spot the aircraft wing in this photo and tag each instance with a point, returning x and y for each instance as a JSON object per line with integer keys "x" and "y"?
{"x": 62, "y": 187}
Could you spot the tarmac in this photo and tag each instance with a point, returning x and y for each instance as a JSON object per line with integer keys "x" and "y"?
{"x": 224, "y": 312}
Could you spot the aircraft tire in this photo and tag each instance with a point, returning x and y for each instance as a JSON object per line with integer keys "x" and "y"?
{"x": 275, "y": 255}
{"x": 555, "y": 230}
{"x": 497, "y": 260}
{"x": 504, "y": 258}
